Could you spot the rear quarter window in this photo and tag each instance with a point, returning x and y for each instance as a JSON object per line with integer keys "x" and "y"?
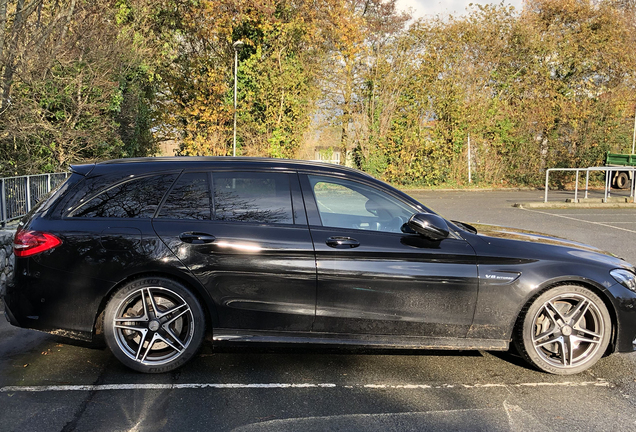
{"x": 133, "y": 198}
{"x": 60, "y": 184}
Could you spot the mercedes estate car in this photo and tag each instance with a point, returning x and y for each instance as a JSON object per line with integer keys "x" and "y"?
{"x": 153, "y": 255}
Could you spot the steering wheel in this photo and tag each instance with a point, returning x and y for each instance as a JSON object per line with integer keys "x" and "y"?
{"x": 394, "y": 225}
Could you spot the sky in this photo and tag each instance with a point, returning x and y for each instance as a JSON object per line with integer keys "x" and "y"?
{"x": 423, "y": 8}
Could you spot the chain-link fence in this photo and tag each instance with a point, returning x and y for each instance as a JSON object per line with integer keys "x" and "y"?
{"x": 19, "y": 194}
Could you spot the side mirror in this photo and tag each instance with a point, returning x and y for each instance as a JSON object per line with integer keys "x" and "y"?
{"x": 429, "y": 225}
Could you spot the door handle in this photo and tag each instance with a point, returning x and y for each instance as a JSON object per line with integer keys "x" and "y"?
{"x": 196, "y": 237}
{"x": 342, "y": 242}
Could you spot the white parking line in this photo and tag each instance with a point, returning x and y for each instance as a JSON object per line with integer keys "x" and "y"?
{"x": 580, "y": 220}
{"x": 105, "y": 387}
{"x": 598, "y": 214}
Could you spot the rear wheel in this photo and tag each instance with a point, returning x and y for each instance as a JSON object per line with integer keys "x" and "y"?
{"x": 621, "y": 180}
{"x": 154, "y": 325}
{"x": 565, "y": 330}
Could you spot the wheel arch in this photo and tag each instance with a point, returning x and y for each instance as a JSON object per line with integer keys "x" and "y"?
{"x": 208, "y": 306}
{"x": 585, "y": 283}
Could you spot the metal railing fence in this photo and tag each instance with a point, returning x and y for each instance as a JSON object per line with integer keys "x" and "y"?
{"x": 19, "y": 194}
{"x": 608, "y": 179}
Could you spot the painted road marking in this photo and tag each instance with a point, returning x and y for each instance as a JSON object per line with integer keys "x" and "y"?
{"x": 580, "y": 220}
{"x": 105, "y": 387}
{"x": 626, "y": 213}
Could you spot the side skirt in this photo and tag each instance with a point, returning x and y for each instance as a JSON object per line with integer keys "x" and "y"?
{"x": 234, "y": 336}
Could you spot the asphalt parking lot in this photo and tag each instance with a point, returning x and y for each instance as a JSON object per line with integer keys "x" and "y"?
{"x": 47, "y": 384}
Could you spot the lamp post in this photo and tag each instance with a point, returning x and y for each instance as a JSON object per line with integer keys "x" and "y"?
{"x": 238, "y": 45}
{"x": 634, "y": 138}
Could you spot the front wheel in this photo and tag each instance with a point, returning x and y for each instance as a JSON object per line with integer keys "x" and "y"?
{"x": 564, "y": 331}
{"x": 154, "y": 325}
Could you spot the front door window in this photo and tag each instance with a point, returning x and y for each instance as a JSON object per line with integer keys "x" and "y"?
{"x": 346, "y": 204}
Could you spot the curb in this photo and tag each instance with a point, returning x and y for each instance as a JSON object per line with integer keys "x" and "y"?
{"x": 557, "y": 205}
{"x": 432, "y": 189}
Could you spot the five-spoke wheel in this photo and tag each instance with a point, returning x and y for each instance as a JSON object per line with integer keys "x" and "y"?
{"x": 154, "y": 325}
{"x": 565, "y": 330}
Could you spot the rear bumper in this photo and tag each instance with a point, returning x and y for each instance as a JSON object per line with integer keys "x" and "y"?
{"x": 9, "y": 315}
{"x": 36, "y": 303}
{"x": 33, "y": 322}
{"x": 18, "y": 310}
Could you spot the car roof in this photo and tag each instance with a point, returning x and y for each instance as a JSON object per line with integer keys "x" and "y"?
{"x": 150, "y": 164}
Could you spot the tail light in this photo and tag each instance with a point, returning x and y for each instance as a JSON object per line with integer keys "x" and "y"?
{"x": 28, "y": 243}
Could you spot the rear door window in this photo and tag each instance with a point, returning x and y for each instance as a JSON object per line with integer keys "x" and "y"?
{"x": 252, "y": 197}
{"x": 189, "y": 198}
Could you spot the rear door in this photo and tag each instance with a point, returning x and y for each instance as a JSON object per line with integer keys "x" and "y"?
{"x": 244, "y": 235}
{"x": 373, "y": 278}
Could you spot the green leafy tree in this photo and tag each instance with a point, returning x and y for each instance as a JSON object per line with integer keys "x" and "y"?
{"x": 74, "y": 87}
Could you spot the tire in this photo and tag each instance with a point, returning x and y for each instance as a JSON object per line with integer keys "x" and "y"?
{"x": 621, "y": 180}
{"x": 154, "y": 325}
{"x": 564, "y": 331}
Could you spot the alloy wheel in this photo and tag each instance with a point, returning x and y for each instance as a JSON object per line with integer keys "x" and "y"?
{"x": 153, "y": 325}
{"x": 568, "y": 330}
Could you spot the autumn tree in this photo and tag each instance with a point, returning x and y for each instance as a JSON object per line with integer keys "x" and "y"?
{"x": 278, "y": 78}
{"x": 276, "y": 74}
{"x": 549, "y": 85}
{"x": 357, "y": 36}
{"x": 583, "y": 63}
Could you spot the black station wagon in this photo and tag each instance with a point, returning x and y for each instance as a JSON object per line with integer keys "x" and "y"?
{"x": 156, "y": 253}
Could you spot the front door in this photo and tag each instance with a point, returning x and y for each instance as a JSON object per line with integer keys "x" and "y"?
{"x": 373, "y": 278}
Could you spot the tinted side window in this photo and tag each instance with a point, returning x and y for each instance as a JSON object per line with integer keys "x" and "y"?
{"x": 135, "y": 198}
{"x": 189, "y": 198}
{"x": 252, "y": 197}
